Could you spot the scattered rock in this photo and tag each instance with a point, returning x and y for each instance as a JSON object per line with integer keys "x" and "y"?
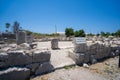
{"x": 85, "y": 65}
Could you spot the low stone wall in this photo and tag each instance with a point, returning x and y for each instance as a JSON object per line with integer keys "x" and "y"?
{"x": 91, "y": 52}
{"x": 20, "y": 65}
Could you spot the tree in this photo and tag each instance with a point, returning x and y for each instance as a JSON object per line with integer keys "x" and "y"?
{"x": 102, "y": 33}
{"x": 113, "y": 34}
{"x": 16, "y": 27}
{"x": 7, "y": 25}
{"x": 97, "y": 34}
{"x": 76, "y": 33}
{"x": 82, "y": 33}
{"x": 107, "y": 34}
{"x": 79, "y": 33}
{"x": 69, "y": 32}
{"x": 28, "y": 32}
{"x": 118, "y": 33}
{"x": 90, "y": 34}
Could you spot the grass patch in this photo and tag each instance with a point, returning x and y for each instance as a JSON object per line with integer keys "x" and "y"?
{"x": 68, "y": 67}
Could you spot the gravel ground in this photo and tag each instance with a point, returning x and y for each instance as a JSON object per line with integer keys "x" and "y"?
{"x": 106, "y": 70}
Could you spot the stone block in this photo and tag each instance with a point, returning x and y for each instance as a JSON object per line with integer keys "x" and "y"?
{"x": 33, "y": 67}
{"x": 41, "y": 56}
{"x": 20, "y": 37}
{"x": 54, "y": 44}
{"x": 3, "y": 60}
{"x": 99, "y": 54}
{"x": 15, "y": 74}
{"x": 93, "y": 59}
{"x": 29, "y": 39}
{"x": 18, "y": 58}
{"x": 78, "y": 48}
{"x": 114, "y": 47}
{"x": 86, "y": 57}
{"x": 44, "y": 68}
{"x": 79, "y": 58}
{"x": 107, "y": 51}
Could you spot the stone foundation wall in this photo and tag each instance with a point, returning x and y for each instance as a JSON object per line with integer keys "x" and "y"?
{"x": 20, "y": 65}
{"x": 84, "y": 53}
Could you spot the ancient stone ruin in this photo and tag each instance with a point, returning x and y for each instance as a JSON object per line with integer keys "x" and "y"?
{"x": 93, "y": 51}
{"x": 20, "y": 64}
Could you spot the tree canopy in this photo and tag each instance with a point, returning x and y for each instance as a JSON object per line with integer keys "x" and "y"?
{"x": 118, "y": 33}
{"x": 69, "y": 32}
{"x": 7, "y": 25}
{"x": 80, "y": 33}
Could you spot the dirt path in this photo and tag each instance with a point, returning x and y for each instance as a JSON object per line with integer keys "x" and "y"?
{"x": 75, "y": 73}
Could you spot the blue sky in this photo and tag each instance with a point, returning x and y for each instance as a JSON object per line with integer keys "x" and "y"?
{"x": 41, "y": 16}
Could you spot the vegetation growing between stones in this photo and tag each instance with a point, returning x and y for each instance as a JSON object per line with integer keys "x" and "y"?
{"x": 68, "y": 66}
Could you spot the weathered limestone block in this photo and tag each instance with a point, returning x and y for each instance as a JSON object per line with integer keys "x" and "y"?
{"x": 112, "y": 54}
{"x": 79, "y": 58}
{"x": 44, "y": 68}
{"x": 107, "y": 50}
{"x": 92, "y": 47}
{"x": 18, "y": 58}
{"x": 93, "y": 59}
{"x": 3, "y": 60}
{"x": 15, "y": 74}
{"x": 54, "y": 44}
{"x": 21, "y": 37}
{"x": 33, "y": 67}
{"x": 114, "y": 47}
{"x": 100, "y": 54}
{"x": 117, "y": 52}
{"x": 86, "y": 57}
{"x": 29, "y": 38}
{"x": 91, "y": 51}
{"x": 103, "y": 51}
{"x": 78, "y": 48}
{"x": 41, "y": 56}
